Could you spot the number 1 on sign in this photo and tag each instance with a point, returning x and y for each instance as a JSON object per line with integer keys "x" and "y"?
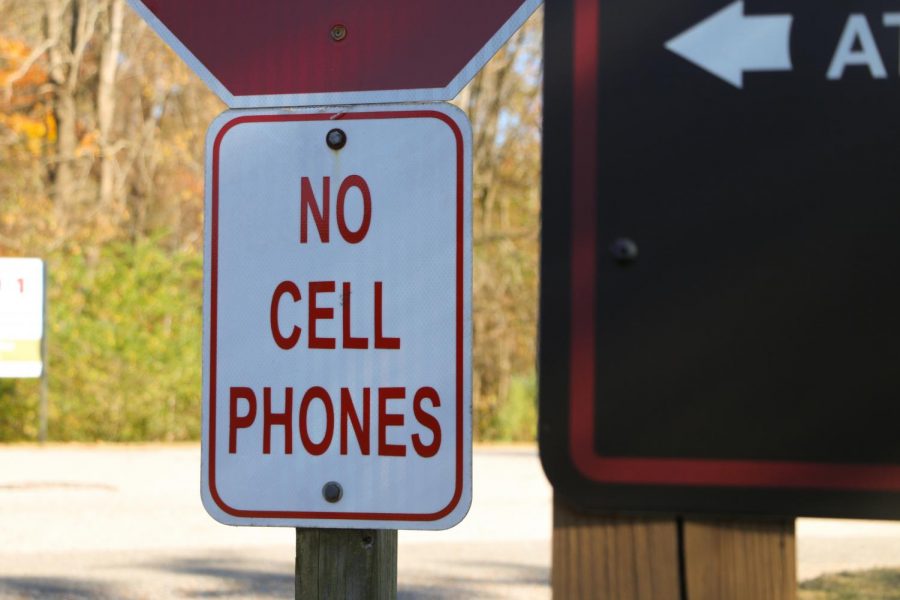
{"x": 21, "y": 283}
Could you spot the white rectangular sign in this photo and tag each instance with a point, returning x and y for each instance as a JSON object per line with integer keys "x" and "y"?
{"x": 337, "y": 318}
{"x": 21, "y": 317}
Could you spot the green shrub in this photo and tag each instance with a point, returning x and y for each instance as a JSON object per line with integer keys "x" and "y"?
{"x": 124, "y": 354}
{"x": 124, "y": 348}
{"x": 18, "y": 409}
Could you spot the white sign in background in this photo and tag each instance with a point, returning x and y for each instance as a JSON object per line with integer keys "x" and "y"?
{"x": 411, "y": 466}
{"x": 21, "y": 317}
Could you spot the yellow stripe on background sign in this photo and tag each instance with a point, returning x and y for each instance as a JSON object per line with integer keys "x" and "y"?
{"x": 20, "y": 350}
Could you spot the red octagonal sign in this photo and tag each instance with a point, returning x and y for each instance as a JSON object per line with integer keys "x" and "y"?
{"x": 256, "y": 53}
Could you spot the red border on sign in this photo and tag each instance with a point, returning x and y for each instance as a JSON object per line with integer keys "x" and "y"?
{"x": 650, "y": 471}
{"x": 460, "y": 255}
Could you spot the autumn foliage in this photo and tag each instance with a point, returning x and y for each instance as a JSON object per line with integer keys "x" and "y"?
{"x": 102, "y": 133}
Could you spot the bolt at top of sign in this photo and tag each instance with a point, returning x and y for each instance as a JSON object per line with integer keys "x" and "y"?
{"x": 310, "y": 52}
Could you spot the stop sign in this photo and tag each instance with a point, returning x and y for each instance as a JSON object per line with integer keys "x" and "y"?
{"x": 309, "y": 52}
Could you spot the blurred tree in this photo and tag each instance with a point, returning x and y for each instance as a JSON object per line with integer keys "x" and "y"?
{"x": 504, "y": 104}
{"x": 102, "y": 133}
{"x": 101, "y": 151}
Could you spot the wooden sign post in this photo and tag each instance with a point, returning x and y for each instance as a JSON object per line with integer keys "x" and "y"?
{"x": 346, "y": 563}
{"x": 671, "y": 558}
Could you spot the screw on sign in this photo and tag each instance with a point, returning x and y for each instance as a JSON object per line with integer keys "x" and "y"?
{"x": 314, "y": 52}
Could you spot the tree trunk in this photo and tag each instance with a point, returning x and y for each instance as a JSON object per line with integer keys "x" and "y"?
{"x": 106, "y": 103}
{"x": 64, "y": 111}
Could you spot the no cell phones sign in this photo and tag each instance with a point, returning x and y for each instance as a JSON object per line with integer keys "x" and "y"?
{"x": 337, "y": 325}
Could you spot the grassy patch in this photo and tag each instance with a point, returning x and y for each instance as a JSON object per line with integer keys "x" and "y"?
{"x": 876, "y": 584}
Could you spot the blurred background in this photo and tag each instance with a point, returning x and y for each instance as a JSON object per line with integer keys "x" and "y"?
{"x": 102, "y": 132}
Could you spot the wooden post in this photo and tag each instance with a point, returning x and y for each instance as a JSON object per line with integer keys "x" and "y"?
{"x": 667, "y": 558}
{"x": 614, "y": 558}
{"x": 334, "y": 564}
{"x": 740, "y": 559}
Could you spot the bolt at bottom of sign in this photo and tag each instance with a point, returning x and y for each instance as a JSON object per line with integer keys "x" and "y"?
{"x": 332, "y": 492}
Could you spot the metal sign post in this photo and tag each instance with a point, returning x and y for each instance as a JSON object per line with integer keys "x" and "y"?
{"x": 44, "y": 401}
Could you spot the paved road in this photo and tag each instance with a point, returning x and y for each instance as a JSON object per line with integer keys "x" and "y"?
{"x": 100, "y": 522}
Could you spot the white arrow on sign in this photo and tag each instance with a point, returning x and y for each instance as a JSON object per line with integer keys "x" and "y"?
{"x": 729, "y": 43}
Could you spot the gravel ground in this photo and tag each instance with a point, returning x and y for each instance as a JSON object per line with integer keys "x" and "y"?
{"x": 99, "y": 522}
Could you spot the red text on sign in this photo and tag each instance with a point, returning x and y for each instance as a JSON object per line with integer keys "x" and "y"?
{"x": 318, "y": 310}
{"x": 339, "y": 414}
{"x": 320, "y": 213}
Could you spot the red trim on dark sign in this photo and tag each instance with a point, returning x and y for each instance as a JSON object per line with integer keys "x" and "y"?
{"x": 460, "y": 266}
{"x": 650, "y": 471}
